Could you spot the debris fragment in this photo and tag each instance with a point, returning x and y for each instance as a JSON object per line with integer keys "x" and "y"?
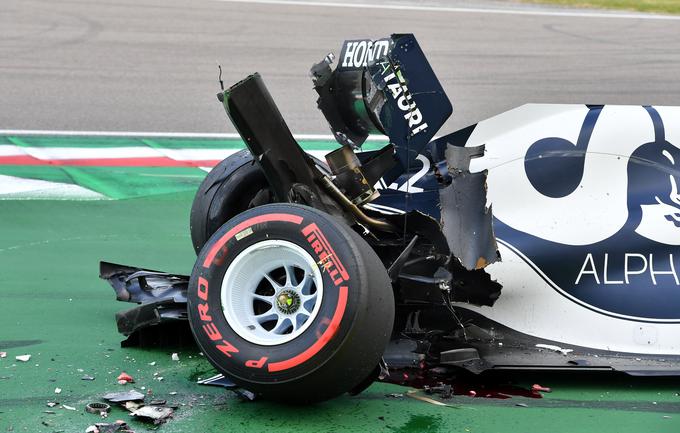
{"x": 152, "y": 363}
{"x": 87, "y": 377}
{"x": 157, "y": 414}
{"x": 444, "y": 390}
{"x": 119, "y": 397}
{"x": 98, "y": 408}
{"x": 67, "y": 407}
{"x": 521, "y": 405}
{"x": 175, "y": 357}
{"x": 555, "y": 348}
{"x": 52, "y": 403}
{"x": 538, "y": 388}
{"x": 23, "y": 358}
{"x": 57, "y": 390}
{"x": 466, "y": 220}
{"x": 426, "y": 399}
{"x": 434, "y": 379}
{"x": 395, "y": 395}
{"x": 125, "y": 378}
{"x": 3, "y": 354}
{"x": 132, "y": 406}
{"x": 218, "y": 380}
{"x": 244, "y": 394}
{"x": 118, "y": 427}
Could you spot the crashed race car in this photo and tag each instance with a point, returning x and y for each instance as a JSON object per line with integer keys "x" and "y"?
{"x": 314, "y": 278}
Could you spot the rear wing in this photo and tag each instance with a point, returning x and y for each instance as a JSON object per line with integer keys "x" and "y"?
{"x": 385, "y": 86}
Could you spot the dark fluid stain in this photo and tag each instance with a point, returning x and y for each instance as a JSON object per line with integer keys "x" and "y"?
{"x": 11, "y": 344}
{"x": 421, "y": 424}
{"x": 433, "y": 381}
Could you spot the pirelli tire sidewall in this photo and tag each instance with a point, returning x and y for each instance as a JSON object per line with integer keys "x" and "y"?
{"x": 343, "y": 341}
{"x": 227, "y": 190}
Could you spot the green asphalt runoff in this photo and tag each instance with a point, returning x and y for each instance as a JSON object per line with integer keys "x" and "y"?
{"x": 54, "y": 307}
{"x": 128, "y": 182}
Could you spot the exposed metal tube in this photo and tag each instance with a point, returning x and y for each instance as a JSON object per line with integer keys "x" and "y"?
{"x": 346, "y": 203}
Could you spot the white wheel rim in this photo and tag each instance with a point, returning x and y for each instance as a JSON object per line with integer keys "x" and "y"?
{"x": 271, "y": 292}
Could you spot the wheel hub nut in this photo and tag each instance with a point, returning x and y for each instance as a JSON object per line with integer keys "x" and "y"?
{"x": 288, "y": 301}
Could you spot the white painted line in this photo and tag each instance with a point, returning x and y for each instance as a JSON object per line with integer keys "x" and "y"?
{"x": 57, "y": 153}
{"x": 423, "y": 8}
{"x": 84, "y": 153}
{"x": 141, "y": 134}
{"x": 19, "y": 188}
{"x": 11, "y": 150}
{"x": 64, "y": 133}
{"x": 66, "y": 153}
{"x": 196, "y": 154}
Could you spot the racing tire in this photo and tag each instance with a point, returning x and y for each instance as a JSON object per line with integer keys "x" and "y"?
{"x": 226, "y": 191}
{"x": 290, "y": 304}
{"x": 235, "y": 184}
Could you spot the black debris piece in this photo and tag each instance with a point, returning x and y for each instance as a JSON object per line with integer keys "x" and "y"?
{"x": 244, "y": 394}
{"x": 444, "y": 391}
{"x": 161, "y": 319}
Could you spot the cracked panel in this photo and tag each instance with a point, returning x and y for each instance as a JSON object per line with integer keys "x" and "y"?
{"x": 466, "y": 220}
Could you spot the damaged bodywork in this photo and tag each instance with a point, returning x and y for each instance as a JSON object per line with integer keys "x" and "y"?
{"x": 393, "y": 91}
{"x": 466, "y": 221}
{"x": 162, "y": 299}
{"x": 472, "y": 288}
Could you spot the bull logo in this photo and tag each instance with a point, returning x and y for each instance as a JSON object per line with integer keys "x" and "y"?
{"x": 633, "y": 271}
{"x": 653, "y": 176}
{"x": 653, "y": 179}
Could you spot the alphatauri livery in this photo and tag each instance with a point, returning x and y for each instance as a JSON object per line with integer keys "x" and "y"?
{"x": 587, "y": 218}
{"x": 547, "y": 237}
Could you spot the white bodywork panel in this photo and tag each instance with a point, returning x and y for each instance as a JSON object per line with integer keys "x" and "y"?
{"x": 595, "y": 211}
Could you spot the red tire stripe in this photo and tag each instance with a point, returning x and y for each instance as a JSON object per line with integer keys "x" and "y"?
{"x": 321, "y": 342}
{"x": 295, "y": 219}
